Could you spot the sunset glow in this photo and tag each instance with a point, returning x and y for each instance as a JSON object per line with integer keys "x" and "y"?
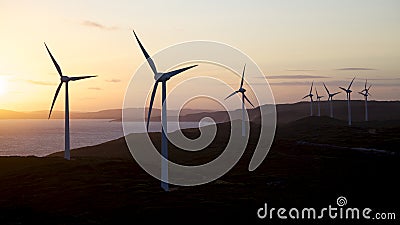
{"x": 3, "y": 86}
{"x": 292, "y": 42}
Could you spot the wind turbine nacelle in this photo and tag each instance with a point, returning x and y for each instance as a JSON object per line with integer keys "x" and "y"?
{"x": 242, "y": 90}
{"x": 160, "y": 77}
{"x": 64, "y": 79}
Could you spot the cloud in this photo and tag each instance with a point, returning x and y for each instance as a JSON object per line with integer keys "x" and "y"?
{"x": 41, "y": 82}
{"x": 95, "y": 88}
{"x": 332, "y": 83}
{"x": 300, "y": 70}
{"x": 393, "y": 79}
{"x": 89, "y": 23}
{"x": 355, "y": 68}
{"x": 114, "y": 80}
{"x": 291, "y": 83}
{"x": 295, "y": 77}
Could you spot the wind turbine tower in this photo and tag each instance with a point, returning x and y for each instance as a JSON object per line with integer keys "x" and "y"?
{"x": 366, "y": 93}
{"x": 319, "y": 101}
{"x": 244, "y": 97}
{"x": 66, "y": 80}
{"x": 330, "y": 99}
{"x": 348, "y": 92}
{"x": 162, "y": 78}
{"x": 310, "y": 95}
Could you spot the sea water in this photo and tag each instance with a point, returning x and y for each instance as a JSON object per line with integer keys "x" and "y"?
{"x": 41, "y": 137}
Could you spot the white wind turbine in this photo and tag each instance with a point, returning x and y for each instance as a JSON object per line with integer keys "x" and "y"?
{"x": 242, "y": 91}
{"x": 64, "y": 79}
{"x": 330, "y": 99}
{"x": 348, "y": 92}
{"x": 366, "y": 93}
{"x": 319, "y": 101}
{"x": 163, "y": 78}
{"x": 311, "y": 99}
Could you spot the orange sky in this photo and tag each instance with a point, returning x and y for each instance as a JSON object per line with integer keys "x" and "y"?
{"x": 293, "y": 43}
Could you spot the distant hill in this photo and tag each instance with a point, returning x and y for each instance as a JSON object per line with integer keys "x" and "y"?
{"x": 9, "y": 114}
{"x": 378, "y": 111}
{"x": 104, "y": 114}
{"x": 112, "y": 114}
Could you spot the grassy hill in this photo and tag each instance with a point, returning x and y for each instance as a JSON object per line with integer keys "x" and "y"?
{"x": 103, "y": 184}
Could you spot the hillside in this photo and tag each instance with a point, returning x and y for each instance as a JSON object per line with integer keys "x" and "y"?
{"x": 103, "y": 184}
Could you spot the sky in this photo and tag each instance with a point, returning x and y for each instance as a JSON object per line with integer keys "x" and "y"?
{"x": 292, "y": 42}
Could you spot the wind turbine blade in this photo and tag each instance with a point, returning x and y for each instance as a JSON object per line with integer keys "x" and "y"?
{"x": 316, "y": 92}
{"x": 231, "y": 95}
{"x": 335, "y": 93}
{"x": 351, "y": 83}
{"x": 365, "y": 85}
{"x": 54, "y": 60}
{"x": 343, "y": 89}
{"x": 311, "y": 87}
{"x": 241, "y": 83}
{"x": 326, "y": 88}
{"x": 306, "y": 96}
{"x": 248, "y": 100}
{"x": 369, "y": 87}
{"x": 151, "y": 103}
{"x": 80, "y": 78}
{"x": 146, "y": 55}
{"x": 178, "y": 71}
{"x": 54, "y": 99}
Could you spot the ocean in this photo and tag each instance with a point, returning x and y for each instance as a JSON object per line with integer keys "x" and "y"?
{"x": 41, "y": 137}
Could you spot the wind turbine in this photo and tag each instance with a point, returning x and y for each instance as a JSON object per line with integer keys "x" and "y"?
{"x": 330, "y": 99}
{"x": 319, "y": 101}
{"x": 311, "y": 99}
{"x": 163, "y": 78}
{"x": 64, "y": 79}
{"x": 348, "y": 92}
{"x": 366, "y": 93}
{"x": 242, "y": 91}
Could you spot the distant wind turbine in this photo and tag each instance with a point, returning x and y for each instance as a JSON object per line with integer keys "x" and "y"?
{"x": 64, "y": 79}
{"x": 348, "y": 92}
{"x": 366, "y": 93}
{"x": 242, "y": 91}
{"x": 163, "y": 78}
{"x": 319, "y": 101}
{"x": 311, "y": 99}
{"x": 330, "y": 99}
